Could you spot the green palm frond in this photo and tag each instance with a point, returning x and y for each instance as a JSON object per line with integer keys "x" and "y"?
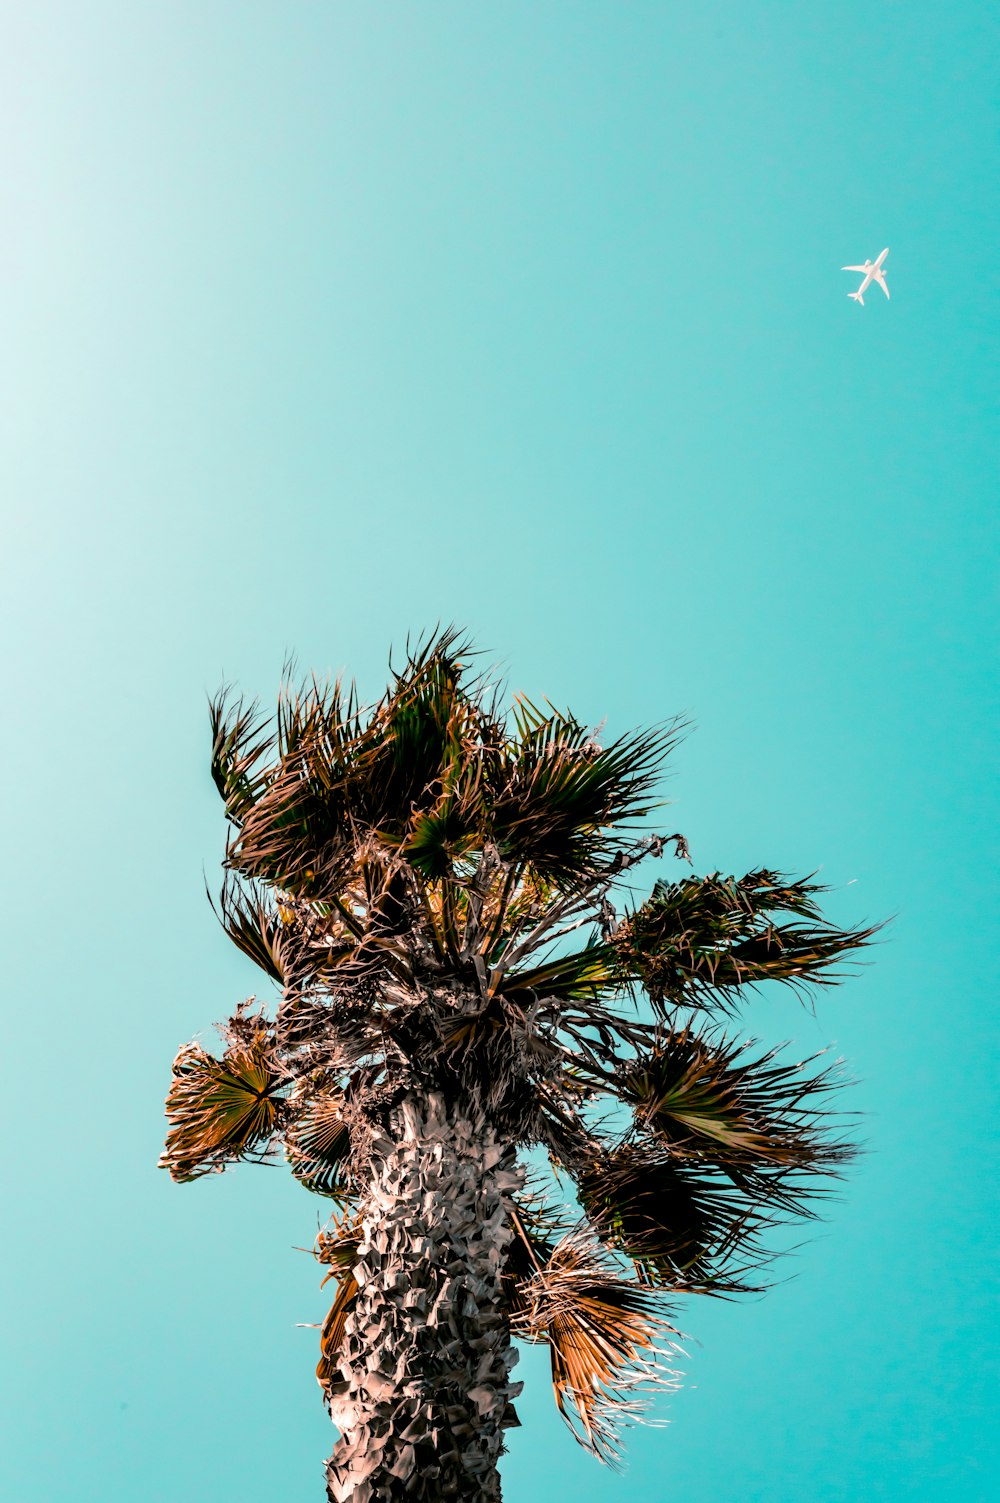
{"x": 562, "y": 793}
{"x": 607, "y": 1337}
{"x": 294, "y": 828}
{"x": 705, "y": 1098}
{"x": 683, "y": 1228}
{"x": 342, "y": 772}
{"x": 317, "y": 1140}
{"x": 240, "y": 740}
{"x": 254, "y": 927}
{"x": 702, "y": 940}
{"x": 451, "y": 828}
{"x": 578, "y": 977}
{"x": 220, "y": 1110}
{"x": 415, "y": 734}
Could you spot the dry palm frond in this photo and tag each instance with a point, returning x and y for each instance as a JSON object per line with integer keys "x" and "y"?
{"x": 607, "y": 1337}
{"x": 702, "y": 940}
{"x": 705, "y": 1099}
{"x": 337, "y": 1248}
{"x": 220, "y": 1109}
{"x": 295, "y": 835}
{"x": 331, "y": 1333}
{"x": 317, "y": 1141}
{"x": 538, "y": 1227}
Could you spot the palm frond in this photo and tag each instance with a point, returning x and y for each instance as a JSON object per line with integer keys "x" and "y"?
{"x": 537, "y": 1230}
{"x": 705, "y": 1098}
{"x": 702, "y": 940}
{"x": 295, "y": 827}
{"x": 240, "y": 740}
{"x": 254, "y": 926}
{"x": 531, "y": 896}
{"x": 405, "y": 771}
{"x": 296, "y": 835}
{"x": 578, "y": 977}
{"x": 317, "y": 1140}
{"x": 684, "y": 1227}
{"x": 607, "y": 1338}
{"x": 447, "y": 827}
{"x": 337, "y": 1249}
{"x": 415, "y": 734}
{"x": 337, "y": 1244}
{"x": 220, "y": 1110}
{"x": 332, "y": 1332}
{"x": 562, "y": 792}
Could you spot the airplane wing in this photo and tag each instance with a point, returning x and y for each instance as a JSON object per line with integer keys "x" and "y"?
{"x": 880, "y": 279}
{"x": 862, "y": 269}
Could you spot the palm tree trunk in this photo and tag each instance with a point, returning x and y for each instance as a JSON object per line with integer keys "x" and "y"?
{"x": 424, "y": 1392}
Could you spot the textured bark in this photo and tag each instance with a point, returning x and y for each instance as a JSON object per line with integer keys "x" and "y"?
{"x": 423, "y": 1392}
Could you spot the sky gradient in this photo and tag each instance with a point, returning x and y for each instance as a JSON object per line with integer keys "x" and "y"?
{"x": 323, "y": 323}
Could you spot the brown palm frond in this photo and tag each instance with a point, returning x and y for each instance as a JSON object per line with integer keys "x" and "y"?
{"x": 536, "y": 1232}
{"x": 337, "y": 1248}
{"x": 701, "y": 941}
{"x": 221, "y": 1109}
{"x": 706, "y": 1099}
{"x": 607, "y": 1336}
{"x": 295, "y": 835}
{"x": 320, "y": 723}
{"x": 318, "y": 1141}
{"x": 331, "y": 1334}
{"x": 336, "y": 1245}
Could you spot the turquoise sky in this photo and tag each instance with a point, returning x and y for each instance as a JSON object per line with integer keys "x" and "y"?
{"x": 324, "y": 322}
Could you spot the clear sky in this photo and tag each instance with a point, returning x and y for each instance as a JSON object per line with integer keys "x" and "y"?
{"x": 324, "y": 322}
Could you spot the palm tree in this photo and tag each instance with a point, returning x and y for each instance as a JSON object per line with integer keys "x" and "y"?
{"x": 430, "y": 883}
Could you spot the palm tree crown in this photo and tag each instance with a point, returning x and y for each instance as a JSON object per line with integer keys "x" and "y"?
{"x": 431, "y": 883}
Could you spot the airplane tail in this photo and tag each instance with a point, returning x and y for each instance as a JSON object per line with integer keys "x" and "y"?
{"x": 857, "y": 298}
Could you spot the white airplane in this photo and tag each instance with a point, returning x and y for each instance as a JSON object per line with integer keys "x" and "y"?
{"x": 872, "y": 272}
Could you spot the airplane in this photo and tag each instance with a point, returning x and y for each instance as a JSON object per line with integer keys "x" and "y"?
{"x": 872, "y": 272}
